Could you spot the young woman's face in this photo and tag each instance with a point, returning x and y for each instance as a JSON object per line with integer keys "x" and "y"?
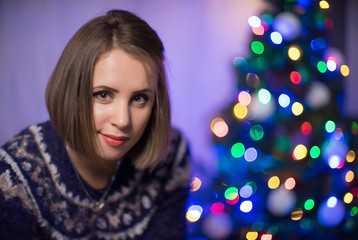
{"x": 123, "y": 97}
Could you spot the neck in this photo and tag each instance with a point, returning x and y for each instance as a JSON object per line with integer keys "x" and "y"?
{"x": 96, "y": 173}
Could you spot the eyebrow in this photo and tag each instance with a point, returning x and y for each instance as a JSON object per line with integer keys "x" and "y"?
{"x": 106, "y": 88}
{"x": 102, "y": 87}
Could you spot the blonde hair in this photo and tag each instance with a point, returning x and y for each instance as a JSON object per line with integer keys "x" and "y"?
{"x": 69, "y": 90}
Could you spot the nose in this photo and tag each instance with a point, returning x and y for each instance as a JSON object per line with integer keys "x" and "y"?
{"x": 121, "y": 116}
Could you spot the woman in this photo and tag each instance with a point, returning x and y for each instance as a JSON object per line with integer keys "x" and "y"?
{"x": 107, "y": 165}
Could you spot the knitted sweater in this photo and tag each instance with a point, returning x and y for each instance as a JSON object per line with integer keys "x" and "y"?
{"x": 41, "y": 197}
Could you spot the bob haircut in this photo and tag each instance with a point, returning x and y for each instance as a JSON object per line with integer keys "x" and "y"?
{"x": 69, "y": 94}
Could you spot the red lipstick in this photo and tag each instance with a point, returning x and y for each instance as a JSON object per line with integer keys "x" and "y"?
{"x": 114, "y": 141}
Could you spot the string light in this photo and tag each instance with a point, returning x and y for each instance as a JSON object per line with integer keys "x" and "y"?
{"x": 257, "y": 47}
{"x": 244, "y": 98}
{"x": 351, "y": 155}
{"x": 345, "y": 70}
{"x": 254, "y": 21}
{"x": 219, "y": 127}
{"x": 252, "y": 235}
{"x": 195, "y": 184}
{"x": 264, "y": 96}
{"x": 194, "y": 213}
{"x": 274, "y": 182}
{"x": 349, "y": 176}
{"x": 297, "y": 108}
{"x": 309, "y": 204}
{"x": 323, "y": 4}
{"x": 276, "y": 38}
{"x": 240, "y": 111}
{"x": 300, "y": 152}
{"x": 294, "y": 53}
{"x": 284, "y": 100}
{"x": 246, "y": 206}
{"x": 295, "y": 77}
{"x": 297, "y": 214}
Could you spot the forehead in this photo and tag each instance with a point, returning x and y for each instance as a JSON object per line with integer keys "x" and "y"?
{"x": 118, "y": 65}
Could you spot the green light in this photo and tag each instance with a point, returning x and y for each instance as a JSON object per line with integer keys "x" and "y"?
{"x": 354, "y": 211}
{"x": 283, "y": 144}
{"x": 253, "y": 186}
{"x": 264, "y": 96}
{"x": 267, "y": 18}
{"x": 257, "y": 47}
{"x": 330, "y": 126}
{"x": 256, "y": 132}
{"x": 315, "y": 152}
{"x": 322, "y": 66}
{"x": 309, "y": 204}
{"x": 231, "y": 193}
{"x": 237, "y": 150}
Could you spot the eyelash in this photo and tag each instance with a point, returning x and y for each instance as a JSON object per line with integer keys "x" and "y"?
{"x": 144, "y": 98}
{"x": 103, "y": 95}
{"x": 102, "y": 98}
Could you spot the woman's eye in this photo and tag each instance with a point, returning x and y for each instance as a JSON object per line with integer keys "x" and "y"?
{"x": 102, "y": 96}
{"x": 140, "y": 99}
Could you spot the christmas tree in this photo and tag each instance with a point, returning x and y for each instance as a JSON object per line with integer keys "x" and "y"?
{"x": 285, "y": 152}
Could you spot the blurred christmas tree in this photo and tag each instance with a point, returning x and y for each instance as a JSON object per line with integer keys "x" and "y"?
{"x": 286, "y": 154}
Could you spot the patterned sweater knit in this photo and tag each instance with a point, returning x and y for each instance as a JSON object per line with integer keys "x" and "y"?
{"x": 42, "y": 198}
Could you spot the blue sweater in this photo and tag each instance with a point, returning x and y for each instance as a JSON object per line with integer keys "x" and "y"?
{"x": 41, "y": 197}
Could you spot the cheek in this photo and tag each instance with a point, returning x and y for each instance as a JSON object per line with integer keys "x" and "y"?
{"x": 99, "y": 114}
{"x": 141, "y": 119}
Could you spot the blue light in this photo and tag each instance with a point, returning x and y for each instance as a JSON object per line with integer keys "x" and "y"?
{"x": 276, "y": 38}
{"x": 303, "y": 3}
{"x": 318, "y": 43}
{"x": 250, "y": 154}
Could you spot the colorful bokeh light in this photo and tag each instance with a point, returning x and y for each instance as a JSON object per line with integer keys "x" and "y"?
{"x": 217, "y": 208}
{"x": 219, "y": 127}
{"x": 237, "y": 150}
{"x": 276, "y": 38}
{"x": 284, "y": 100}
{"x": 264, "y": 96}
{"x": 294, "y": 53}
{"x": 194, "y": 213}
{"x": 306, "y": 128}
{"x": 240, "y": 111}
{"x": 300, "y": 152}
{"x": 244, "y": 98}
{"x": 297, "y": 108}
{"x": 257, "y": 47}
{"x": 195, "y": 184}
{"x": 256, "y": 132}
{"x": 295, "y": 77}
{"x": 273, "y": 182}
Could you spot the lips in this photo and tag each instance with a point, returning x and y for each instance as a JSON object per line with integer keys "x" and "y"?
{"x": 114, "y": 141}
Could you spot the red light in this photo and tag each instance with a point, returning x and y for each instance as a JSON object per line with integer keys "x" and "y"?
{"x": 295, "y": 77}
{"x": 306, "y": 128}
{"x": 234, "y": 201}
{"x": 217, "y": 208}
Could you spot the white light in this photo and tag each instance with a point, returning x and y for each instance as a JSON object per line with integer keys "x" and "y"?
{"x": 334, "y": 161}
{"x": 276, "y": 37}
{"x": 284, "y": 100}
{"x": 332, "y": 202}
{"x": 331, "y": 65}
{"x": 246, "y": 206}
{"x": 254, "y": 21}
